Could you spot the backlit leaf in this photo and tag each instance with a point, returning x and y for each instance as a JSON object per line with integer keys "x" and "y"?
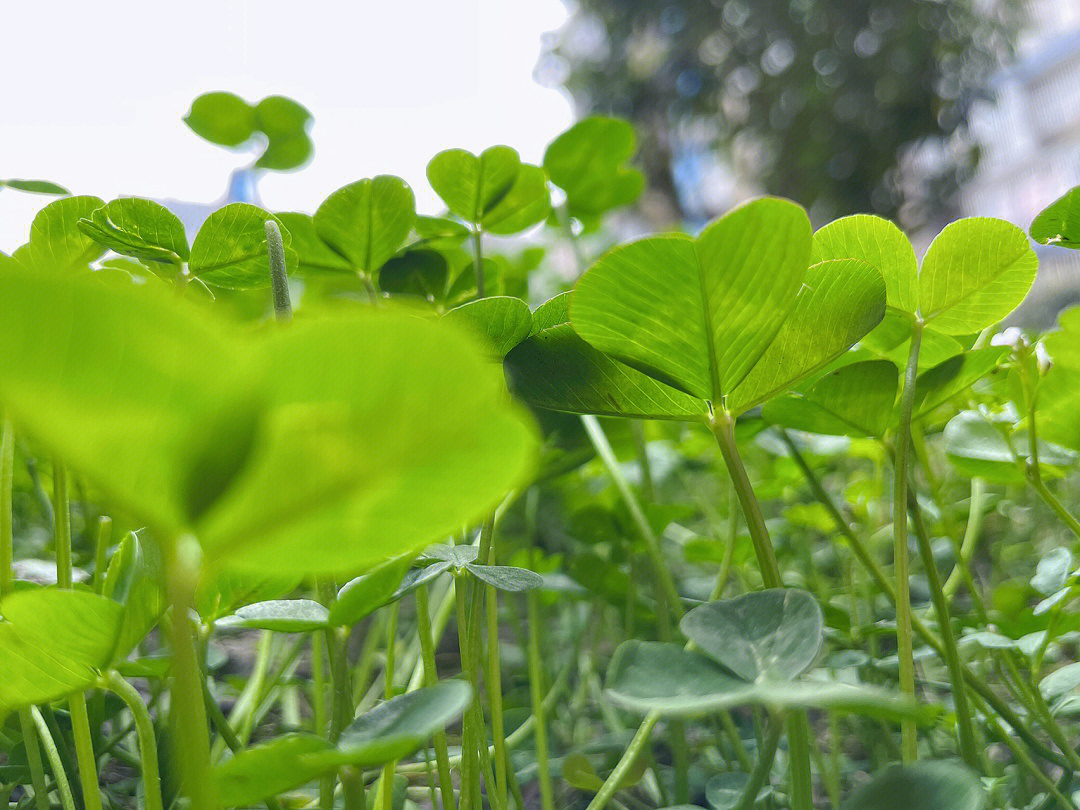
{"x": 367, "y": 221}
{"x": 230, "y": 248}
{"x": 1059, "y": 223}
{"x": 469, "y": 184}
{"x": 975, "y": 272}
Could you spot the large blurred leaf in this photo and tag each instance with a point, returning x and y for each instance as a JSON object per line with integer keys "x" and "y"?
{"x": 230, "y": 248}
{"x": 771, "y": 635}
{"x": 921, "y": 786}
{"x": 975, "y": 272}
{"x": 139, "y": 392}
{"x": 141, "y": 228}
{"x": 1059, "y": 223}
{"x": 388, "y": 732}
{"x": 879, "y": 243}
{"x": 56, "y": 243}
{"x": 587, "y": 162}
{"x": 854, "y": 400}
{"x": 469, "y": 184}
{"x": 52, "y": 643}
{"x": 352, "y": 400}
{"x": 269, "y": 448}
{"x": 556, "y": 369}
{"x": 367, "y": 221}
{"x": 652, "y": 676}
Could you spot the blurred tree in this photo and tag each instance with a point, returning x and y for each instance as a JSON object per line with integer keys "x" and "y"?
{"x": 819, "y": 100}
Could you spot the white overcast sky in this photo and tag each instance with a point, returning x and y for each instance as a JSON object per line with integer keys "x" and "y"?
{"x": 92, "y": 94}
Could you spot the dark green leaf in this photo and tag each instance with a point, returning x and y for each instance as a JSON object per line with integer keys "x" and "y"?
{"x": 854, "y": 400}
{"x": 313, "y": 254}
{"x": 773, "y": 635}
{"x": 922, "y": 786}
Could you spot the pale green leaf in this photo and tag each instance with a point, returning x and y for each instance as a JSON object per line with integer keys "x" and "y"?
{"x": 880, "y": 244}
{"x": 57, "y": 245}
{"x": 230, "y": 249}
{"x": 501, "y": 322}
{"x": 975, "y": 272}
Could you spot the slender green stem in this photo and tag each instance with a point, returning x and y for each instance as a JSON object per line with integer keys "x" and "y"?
{"x": 1027, "y": 762}
{"x": 144, "y": 728}
{"x": 431, "y": 677}
{"x": 862, "y": 554}
{"x": 7, "y": 482}
{"x": 187, "y": 712}
{"x": 536, "y": 691}
{"x": 970, "y": 540}
{"x": 760, "y": 774}
{"x": 668, "y": 593}
{"x": 723, "y": 428}
{"x": 470, "y": 763}
{"x": 904, "y": 646}
{"x": 478, "y": 261}
{"x": 101, "y": 549}
{"x": 386, "y": 787}
{"x": 63, "y": 787}
{"x": 279, "y": 277}
{"x": 494, "y": 685}
{"x": 7, "y": 557}
{"x": 80, "y": 721}
{"x": 352, "y": 789}
{"x": 965, "y": 726}
{"x": 318, "y": 683}
{"x": 629, "y": 757}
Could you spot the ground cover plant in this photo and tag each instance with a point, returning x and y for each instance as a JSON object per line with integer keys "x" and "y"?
{"x": 329, "y": 510}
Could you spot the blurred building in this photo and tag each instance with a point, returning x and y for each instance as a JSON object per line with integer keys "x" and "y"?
{"x": 1029, "y": 137}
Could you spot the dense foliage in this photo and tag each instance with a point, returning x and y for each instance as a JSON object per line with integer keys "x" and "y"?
{"x": 757, "y": 517}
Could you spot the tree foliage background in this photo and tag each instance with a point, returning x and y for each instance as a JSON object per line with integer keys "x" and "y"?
{"x": 843, "y": 105}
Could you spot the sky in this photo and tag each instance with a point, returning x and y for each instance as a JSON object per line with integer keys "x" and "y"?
{"x": 92, "y": 94}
